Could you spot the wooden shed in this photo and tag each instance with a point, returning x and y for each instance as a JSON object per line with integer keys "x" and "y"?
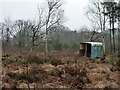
{"x": 91, "y": 49}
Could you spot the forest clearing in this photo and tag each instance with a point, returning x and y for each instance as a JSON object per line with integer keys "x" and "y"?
{"x": 60, "y": 44}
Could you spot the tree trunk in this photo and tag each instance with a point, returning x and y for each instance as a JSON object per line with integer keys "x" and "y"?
{"x": 110, "y": 37}
{"x": 33, "y": 42}
{"x": 33, "y": 45}
{"x": 46, "y": 41}
{"x": 113, "y": 34}
{"x": 119, "y": 36}
{"x": 103, "y": 32}
{"x": 119, "y": 31}
{"x": 47, "y": 32}
{"x": 7, "y": 40}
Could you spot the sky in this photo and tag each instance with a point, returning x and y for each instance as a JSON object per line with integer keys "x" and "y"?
{"x": 27, "y": 9}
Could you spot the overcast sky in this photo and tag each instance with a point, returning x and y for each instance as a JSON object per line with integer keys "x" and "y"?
{"x": 27, "y": 9}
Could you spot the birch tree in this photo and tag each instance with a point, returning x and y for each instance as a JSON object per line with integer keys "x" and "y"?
{"x": 53, "y": 16}
{"x": 95, "y": 14}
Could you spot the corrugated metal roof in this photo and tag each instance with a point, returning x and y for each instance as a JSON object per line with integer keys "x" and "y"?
{"x": 95, "y": 43}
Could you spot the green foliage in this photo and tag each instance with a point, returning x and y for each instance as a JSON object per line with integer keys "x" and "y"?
{"x": 112, "y": 59}
{"x": 65, "y": 46}
{"x": 5, "y": 56}
{"x": 42, "y": 46}
{"x": 8, "y": 59}
{"x": 75, "y": 46}
{"x": 3, "y": 59}
{"x": 28, "y": 47}
{"x": 57, "y": 45}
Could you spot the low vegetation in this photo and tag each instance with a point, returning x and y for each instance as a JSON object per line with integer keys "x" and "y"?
{"x": 67, "y": 71}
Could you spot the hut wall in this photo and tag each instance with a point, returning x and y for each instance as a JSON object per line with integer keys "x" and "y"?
{"x": 96, "y": 51}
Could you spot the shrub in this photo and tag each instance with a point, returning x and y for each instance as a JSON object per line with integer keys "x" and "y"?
{"x": 34, "y": 70}
{"x": 112, "y": 59}
{"x": 55, "y": 62}
{"x": 67, "y": 61}
{"x": 75, "y": 46}
{"x": 57, "y": 45}
{"x": 77, "y": 76}
{"x": 11, "y": 74}
{"x": 42, "y": 47}
{"x": 3, "y": 59}
{"x": 34, "y": 59}
{"x": 24, "y": 76}
{"x": 65, "y": 46}
{"x": 21, "y": 76}
{"x": 37, "y": 74}
{"x": 38, "y": 60}
{"x": 14, "y": 84}
{"x": 28, "y": 48}
{"x": 5, "y": 56}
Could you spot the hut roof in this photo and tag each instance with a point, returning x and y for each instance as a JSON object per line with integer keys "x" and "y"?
{"x": 93, "y": 43}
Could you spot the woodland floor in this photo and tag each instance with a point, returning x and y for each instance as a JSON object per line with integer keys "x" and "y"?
{"x": 63, "y": 69}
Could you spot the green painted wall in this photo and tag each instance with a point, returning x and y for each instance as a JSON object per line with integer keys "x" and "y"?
{"x": 96, "y": 51}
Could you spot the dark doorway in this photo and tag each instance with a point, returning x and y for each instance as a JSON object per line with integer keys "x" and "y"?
{"x": 85, "y": 49}
{"x": 88, "y": 50}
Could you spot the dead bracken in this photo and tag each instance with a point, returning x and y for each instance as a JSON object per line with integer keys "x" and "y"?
{"x": 82, "y": 73}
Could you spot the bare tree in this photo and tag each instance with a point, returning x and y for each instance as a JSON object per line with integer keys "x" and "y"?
{"x": 21, "y": 30}
{"x": 35, "y": 33}
{"x": 94, "y": 33}
{"x": 90, "y": 34}
{"x": 6, "y": 28}
{"x": 53, "y": 16}
{"x": 95, "y": 14}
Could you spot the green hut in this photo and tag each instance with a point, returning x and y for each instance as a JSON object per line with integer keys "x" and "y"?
{"x": 91, "y": 49}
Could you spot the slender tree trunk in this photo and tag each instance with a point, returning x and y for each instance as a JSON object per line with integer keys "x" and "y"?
{"x": 47, "y": 32}
{"x": 46, "y": 42}
{"x": 7, "y": 40}
{"x": 119, "y": 30}
{"x": 33, "y": 45}
{"x": 7, "y": 36}
{"x": 110, "y": 37}
{"x": 113, "y": 34}
{"x": 119, "y": 36}
{"x": 33, "y": 41}
{"x": 103, "y": 33}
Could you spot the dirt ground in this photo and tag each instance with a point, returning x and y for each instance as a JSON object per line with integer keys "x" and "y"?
{"x": 59, "y": 70}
